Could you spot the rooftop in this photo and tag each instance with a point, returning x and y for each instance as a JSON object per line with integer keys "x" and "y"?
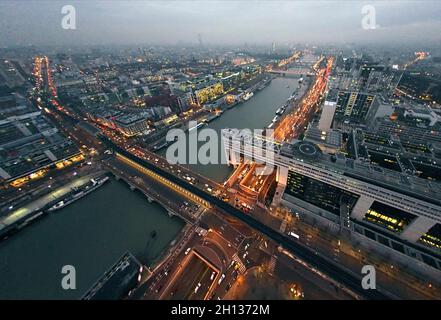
{"x": 413, "y": 186}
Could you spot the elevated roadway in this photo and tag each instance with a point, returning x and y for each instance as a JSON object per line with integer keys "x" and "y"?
{"x": 326, "y": 266}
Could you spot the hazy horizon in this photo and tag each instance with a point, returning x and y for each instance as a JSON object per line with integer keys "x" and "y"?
{"x": 218, "y": 22}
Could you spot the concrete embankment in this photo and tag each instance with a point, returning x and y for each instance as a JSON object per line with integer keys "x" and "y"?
{"x": 17, "y": 219}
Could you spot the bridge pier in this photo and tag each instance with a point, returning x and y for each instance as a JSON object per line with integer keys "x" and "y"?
{"x": 417, "y": 228}
{"x": 149, "y": 199}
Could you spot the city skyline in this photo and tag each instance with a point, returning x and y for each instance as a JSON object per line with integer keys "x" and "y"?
{"x": 218, "y": 22}
{"x": 220, "y": 150}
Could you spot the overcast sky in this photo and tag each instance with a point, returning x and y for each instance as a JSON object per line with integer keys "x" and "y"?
{"x": 218, "y": 22}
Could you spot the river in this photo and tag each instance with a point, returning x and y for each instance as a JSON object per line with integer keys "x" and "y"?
{"x": 255, "y": 113}
{"x": 91, "y": 234}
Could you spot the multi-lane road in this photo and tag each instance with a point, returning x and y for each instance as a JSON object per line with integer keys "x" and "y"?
{"x": 293, "y": 123}
{"x": 323, "y": 264}
{"x": 301, "y": 251}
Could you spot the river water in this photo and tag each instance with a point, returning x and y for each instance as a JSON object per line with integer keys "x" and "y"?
{"x": 92, "y": 233}
{"x": 255, "y": 113}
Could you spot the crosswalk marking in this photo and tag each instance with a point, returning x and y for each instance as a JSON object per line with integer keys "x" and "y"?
{"x": 272, "y": 265}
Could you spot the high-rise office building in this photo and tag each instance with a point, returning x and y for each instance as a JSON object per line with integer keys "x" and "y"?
{"x": 355, "y": 108}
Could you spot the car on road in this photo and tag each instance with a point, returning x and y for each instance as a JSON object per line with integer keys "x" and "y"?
{"x": 294, "y": 235}
{"x": 221, "y": 278}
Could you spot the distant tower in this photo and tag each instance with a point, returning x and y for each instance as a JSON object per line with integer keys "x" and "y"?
{"x": 273, "y": 49}
{"x": 201, "y": 44}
